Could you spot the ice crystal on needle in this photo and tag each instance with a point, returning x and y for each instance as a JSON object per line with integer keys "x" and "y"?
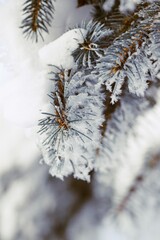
{"x": 69, "y": 132}
{"x": 128, "y": 60}
{"x": 93, "y": 44}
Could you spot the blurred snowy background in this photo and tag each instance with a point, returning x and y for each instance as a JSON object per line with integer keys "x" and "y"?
{"x": 35, "y": 206}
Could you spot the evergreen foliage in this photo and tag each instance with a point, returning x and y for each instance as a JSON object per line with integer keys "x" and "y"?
{"x": 95, "y": 91}
{"x": 38, "y": 15}
{"x": 69, "y": 134}
{"x": 128, "y": 60}
{"x": 107, "y": 63}
{"x": 93, "y": 44}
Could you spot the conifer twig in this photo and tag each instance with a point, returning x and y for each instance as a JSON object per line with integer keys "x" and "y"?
{"x": 38, "y": 15}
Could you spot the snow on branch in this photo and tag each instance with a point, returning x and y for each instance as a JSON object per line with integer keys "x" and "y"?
{"x": 93, "y": 44}
{"x": 125, "y": 5}
{"x": 127, "y": 59}
{"x": 69, "y": 133}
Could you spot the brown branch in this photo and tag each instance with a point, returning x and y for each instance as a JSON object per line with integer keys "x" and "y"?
{"x": 36, "y": 6}
{"x": 61, "y": 118}
{"x": 151, "y": 165}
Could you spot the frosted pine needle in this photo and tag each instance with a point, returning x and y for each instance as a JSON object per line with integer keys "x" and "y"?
{"x": 69, "y": 132}
{"x": 93, "y": 44}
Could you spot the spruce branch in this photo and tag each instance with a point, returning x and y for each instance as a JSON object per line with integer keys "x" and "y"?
{"x": 112, "y": 19}
{"x": 38, "y": 15}
{"x": 93, "y": 43}
{"x": 69, "y": 132}
{"x": 127, "y": 58}
{"x": 84, "y": 2}
{"x": 116, "y": 20}
{"x": 125, "y": 6}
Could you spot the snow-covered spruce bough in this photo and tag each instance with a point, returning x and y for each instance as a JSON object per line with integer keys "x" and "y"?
{"x": 70, "y": 134}
{"x": 70, "y": 130}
